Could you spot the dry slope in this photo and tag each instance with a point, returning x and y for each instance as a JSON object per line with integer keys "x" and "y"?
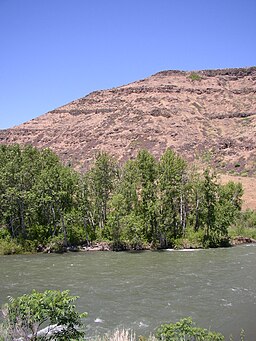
{"x": 206, "y": 115}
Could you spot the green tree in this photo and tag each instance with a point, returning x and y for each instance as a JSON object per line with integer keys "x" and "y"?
{"x": 171, "y": 185}
{"x": 26, "y": 315}
{"x": 86, "y": 209}
{"x": 36, "y": 192}
{"x": 219, "y": 207}
{"x": 127, "y": 186}
{"x": 18, "y": 169}
{"x": 144, "y": 201}
{"x": 146, "y": 173}
{"x": 210, "y": 201}
{"x": 54, "y": 195}
{"x": 132, "y": 231}
{"x": 227, "y": 209}
{"x": 115, "y": 220}
{"x": 101, "y": 181}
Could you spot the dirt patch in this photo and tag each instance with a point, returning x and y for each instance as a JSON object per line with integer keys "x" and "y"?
{"x": 249, "y": 186}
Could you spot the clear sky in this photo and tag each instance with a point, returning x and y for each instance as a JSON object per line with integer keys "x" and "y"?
{"x": 55, "y": 51}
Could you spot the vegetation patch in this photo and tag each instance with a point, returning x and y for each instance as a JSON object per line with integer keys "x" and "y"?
{"x": 244, "y": 225}
{"x": 26, "y": 316}
{"x": 194, "y": 77}
{"x": 162, "y": 203}
{"x": 186, "y": 329}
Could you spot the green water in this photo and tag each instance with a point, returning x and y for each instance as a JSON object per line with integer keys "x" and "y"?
{"x": 217, "y": 288}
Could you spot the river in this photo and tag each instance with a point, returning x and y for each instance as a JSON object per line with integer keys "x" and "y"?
{"x": 141, "y": 290}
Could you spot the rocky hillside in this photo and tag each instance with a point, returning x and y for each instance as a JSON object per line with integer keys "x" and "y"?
{"x": 208, "y": 116}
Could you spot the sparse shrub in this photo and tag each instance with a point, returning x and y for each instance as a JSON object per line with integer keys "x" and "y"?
{"x": 195, "y": 76}
{"x": 119, "y": 335}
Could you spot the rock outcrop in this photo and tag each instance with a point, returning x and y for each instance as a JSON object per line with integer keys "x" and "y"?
{"x": 208, "y": 115}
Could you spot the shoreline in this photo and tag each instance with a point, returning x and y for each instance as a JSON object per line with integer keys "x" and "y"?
{"x": 104, "y": 246}
{"x": 108, "y": 247}
{"x": 239, "y": 240}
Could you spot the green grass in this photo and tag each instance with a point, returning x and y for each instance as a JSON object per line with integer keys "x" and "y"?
{"x": 242, "y": 231}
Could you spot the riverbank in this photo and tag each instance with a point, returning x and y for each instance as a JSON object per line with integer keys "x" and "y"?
{"x": 104, "y": 246}
{"x": 242, "y": 240}
{"x": 108, "y": 246}
{"x": 13, "y": 247}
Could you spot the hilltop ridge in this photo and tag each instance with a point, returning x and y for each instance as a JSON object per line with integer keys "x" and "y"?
{"x": 207, "y": 115}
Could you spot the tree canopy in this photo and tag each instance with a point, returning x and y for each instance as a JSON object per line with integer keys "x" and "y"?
{"x": 144, "y": 201}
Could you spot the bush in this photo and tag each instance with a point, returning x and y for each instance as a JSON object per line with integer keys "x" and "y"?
{"x": 247, "y": 219}
{"x": 244, "y": 225}
{"x": 39, "y": 233}
{"x": 24, "y": 316}
{"x": 214, "y": 240}
{"x": 191, "y": 240}
{"x": 195, "y": 76}
{"x": 186, "y": 330}
{"x": 10, "y": 247}
{"x": 56, "y": 244}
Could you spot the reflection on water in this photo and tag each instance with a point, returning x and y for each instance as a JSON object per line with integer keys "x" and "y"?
{"x": 142, "y": 290}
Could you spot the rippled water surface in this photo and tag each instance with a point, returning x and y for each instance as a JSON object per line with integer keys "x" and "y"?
{"x": 217, "y": 287}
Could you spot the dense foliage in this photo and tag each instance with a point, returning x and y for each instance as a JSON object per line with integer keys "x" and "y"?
{"x": 25, "y": 317}
{"x": 186, "y": 330}
{"x": 161, "y": 203}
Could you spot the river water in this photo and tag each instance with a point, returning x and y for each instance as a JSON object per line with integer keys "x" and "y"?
{"x": 141, "y": 290}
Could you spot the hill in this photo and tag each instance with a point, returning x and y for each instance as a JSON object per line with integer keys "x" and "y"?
{"x": 207, "y": 116}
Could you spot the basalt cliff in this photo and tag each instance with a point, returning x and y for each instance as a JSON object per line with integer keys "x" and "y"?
{"x": 208, "y": 116}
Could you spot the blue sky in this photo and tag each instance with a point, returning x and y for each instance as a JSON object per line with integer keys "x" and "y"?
{"x": 55, "y": 51}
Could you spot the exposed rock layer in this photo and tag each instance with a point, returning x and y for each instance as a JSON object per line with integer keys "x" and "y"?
{"x": 210, "y": 115}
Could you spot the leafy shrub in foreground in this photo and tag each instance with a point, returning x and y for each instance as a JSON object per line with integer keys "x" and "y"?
{"x": 186, "y": 330}
{"x": 25, "y": 316}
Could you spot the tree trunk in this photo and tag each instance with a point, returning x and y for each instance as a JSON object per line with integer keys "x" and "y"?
{"x": 64, "y": 230}
{"x": 197, "y": 213}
